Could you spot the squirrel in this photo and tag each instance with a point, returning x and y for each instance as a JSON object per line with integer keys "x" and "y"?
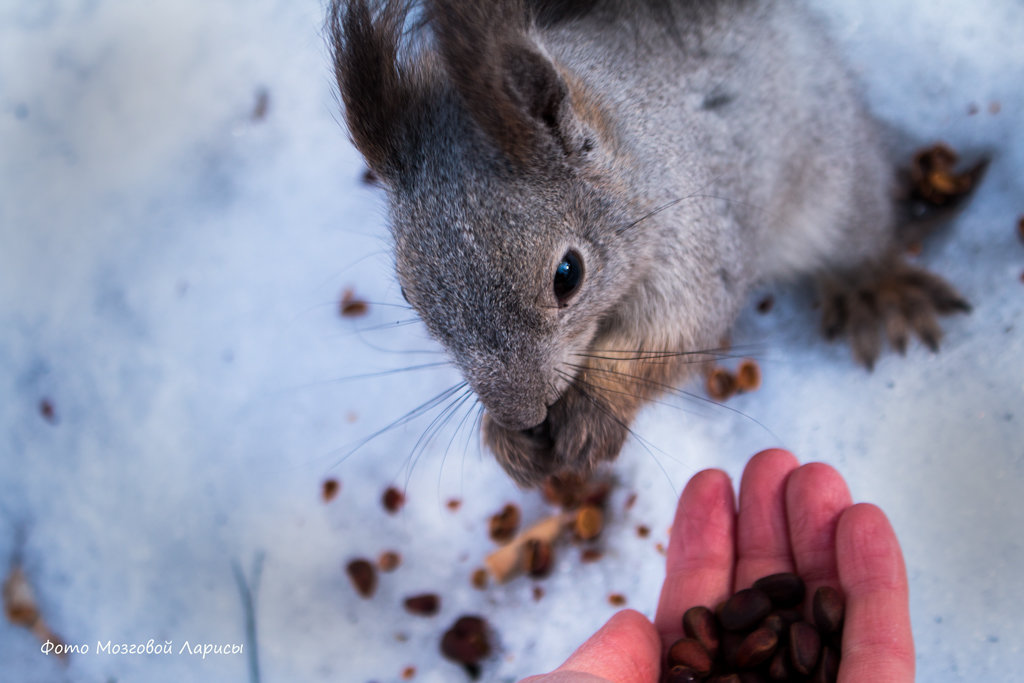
{"x": 582, "y": 194}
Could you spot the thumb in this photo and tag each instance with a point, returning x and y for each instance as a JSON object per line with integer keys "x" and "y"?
{"x": 627, "y": 649}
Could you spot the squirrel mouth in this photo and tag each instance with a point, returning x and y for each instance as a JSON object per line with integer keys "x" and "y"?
{"x": 540, "y": 434}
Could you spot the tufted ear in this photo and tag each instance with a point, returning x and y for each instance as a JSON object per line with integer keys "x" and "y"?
{"x": 510, "y": 88}
{"x": 377, "y": 90}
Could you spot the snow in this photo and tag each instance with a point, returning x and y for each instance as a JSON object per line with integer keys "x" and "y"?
{"x": 169, "y": 275}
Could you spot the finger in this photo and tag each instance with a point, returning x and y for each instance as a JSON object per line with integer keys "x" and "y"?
{"x": 762, "y": 534}
{"x": 699, "y": 563}
{"x": 815, "y": 496}
{"x": 566, "y": 677}
{"x": 877, "y": 641}
{"x": 625, "y": 650}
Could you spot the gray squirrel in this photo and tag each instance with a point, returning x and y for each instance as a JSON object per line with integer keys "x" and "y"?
{"x": 582, "y": 193}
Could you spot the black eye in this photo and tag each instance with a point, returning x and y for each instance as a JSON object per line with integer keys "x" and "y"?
{"x": 568, "y": 276}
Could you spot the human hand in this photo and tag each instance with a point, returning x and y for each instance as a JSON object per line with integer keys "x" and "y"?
{"x": 790, "y": 518}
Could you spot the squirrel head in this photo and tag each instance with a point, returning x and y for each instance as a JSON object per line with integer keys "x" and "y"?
{"x": 511, "y": 239}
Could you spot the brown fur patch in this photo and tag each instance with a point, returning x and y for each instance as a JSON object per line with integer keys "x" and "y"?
{"x": 378, "y": 91}
{"x": 510, "y": 90}
{"x": 586, "y": 104}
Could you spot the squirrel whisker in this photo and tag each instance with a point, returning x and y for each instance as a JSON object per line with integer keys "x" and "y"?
{"x": 422, "y": 409}
{"x": 438, "y": 423}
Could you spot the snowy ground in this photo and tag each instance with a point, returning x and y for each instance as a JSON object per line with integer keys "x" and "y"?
{"x": 170, "y": 263}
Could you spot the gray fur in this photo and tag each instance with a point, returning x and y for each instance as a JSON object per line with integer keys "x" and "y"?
{"x": 516, "y": 131}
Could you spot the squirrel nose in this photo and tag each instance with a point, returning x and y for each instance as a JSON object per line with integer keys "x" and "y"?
{"x": 522, "y": 420}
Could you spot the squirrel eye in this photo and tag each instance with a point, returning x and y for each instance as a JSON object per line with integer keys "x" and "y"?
{"x": 568, "y": 276}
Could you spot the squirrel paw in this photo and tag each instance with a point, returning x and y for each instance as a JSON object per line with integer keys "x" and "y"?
{"x": 901, "y": 299}
{"x": 580, "y": 431}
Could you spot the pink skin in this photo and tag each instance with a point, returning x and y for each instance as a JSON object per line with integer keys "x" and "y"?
{"x": 790, "y": 518}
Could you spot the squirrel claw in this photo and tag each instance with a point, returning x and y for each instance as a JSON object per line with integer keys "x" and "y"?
{"x": 900, "y": 301}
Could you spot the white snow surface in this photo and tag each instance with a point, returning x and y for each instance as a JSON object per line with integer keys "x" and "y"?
{"x": 170, "y": 269}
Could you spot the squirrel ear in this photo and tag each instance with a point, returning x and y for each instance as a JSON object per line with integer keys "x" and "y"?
{"x": 511, "y": 90}
{"x": 377, "y": 90}
{"x": 534, "y": 85}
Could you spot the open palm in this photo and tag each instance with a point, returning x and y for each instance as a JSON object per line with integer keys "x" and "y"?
{"x": 790, "y": 518}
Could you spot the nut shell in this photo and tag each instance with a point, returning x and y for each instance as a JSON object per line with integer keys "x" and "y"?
{"x": 721, "y": 384}
{"x": 538, "y": 558}
{"x": 756, "y": 648}
{"x": 744, "y": 609}
{"x": 784, "y": 589}
{"x": 804, "y": 647}
{"x": 588, "y": 522}
{"x": 424, "y": 605}
{"x": 828, "y": 608}
{"x": 699, "y": 623}
{"x": 503, "y": 525}
{"x": 466, "y": 641}
{"x": 689, "y": 653}
{"x": 363, "y": 576}
{"x": 748, "y": 376}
